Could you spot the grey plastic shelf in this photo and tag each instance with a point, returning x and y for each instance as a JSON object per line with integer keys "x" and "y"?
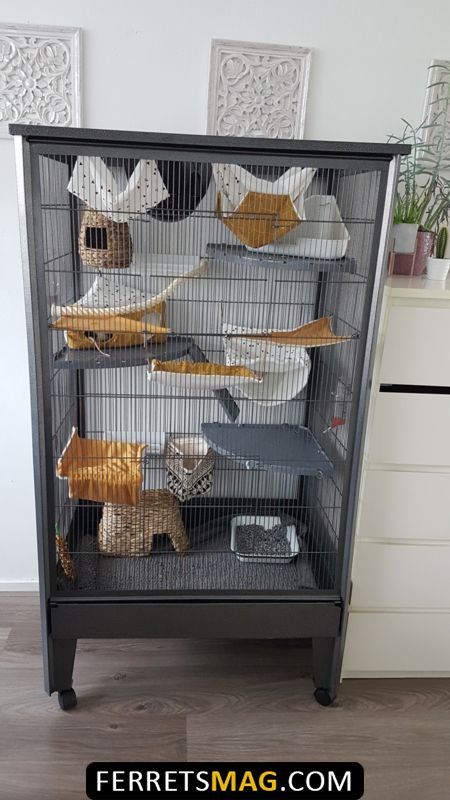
{"x": 238, "y": 253}
{"x": 277, "y": 448}
{"x": 119, "y": 357}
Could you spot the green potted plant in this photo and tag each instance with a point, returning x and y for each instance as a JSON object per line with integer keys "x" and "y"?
{"x": 407, "y": 208}
{"x": 439, "y": 265}
{"x": 423, "y": 192}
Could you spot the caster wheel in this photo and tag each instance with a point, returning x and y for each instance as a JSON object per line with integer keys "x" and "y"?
{"x": 323, "y": 697}
{"x": 67, "y": 699}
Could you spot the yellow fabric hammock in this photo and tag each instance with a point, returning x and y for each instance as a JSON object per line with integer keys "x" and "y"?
{"x": 260, "y": 218}
{"x": 314, "y": 334}
{"x": 121, "y": 330}
{"x": 201, "y": 376}
{"x": 102, "y": 471}
{"x": 200, "y": 368}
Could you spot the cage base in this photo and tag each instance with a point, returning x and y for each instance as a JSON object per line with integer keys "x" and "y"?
{"x": 199, "y": 569}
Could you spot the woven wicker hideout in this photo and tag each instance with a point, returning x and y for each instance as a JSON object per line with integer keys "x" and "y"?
{"x": 129, "y": 530}
{"x": 104, "y": 243}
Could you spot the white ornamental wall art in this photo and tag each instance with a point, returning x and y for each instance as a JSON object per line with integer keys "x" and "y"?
{"x": 257, "y": 89}
{"x": 39, "y": 75}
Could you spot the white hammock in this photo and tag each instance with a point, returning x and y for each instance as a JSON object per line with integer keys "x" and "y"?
{"x": 234, "y": 183}
{"x": 107, "y": 295}
{"x": 95, "y": 184}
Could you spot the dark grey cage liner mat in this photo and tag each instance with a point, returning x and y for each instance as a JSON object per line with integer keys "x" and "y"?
{"x": 210, "y": 566}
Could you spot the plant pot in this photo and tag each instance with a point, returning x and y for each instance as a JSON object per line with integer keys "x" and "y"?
{"x": 415, "y": 263}
{"x": 424, "y": 249}
{"x": 404, "y": 237}
{"x": 437, "y": 268}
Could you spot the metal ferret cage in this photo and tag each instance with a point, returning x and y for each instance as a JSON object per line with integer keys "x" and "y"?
{"x": 201, "y": 317}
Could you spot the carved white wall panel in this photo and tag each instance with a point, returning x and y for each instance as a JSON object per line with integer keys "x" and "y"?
{"x": 257, "y": 89}
{"x": 39, "y": 75}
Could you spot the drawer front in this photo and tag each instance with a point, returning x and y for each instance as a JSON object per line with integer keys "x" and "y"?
{"x": 411, "y": 429}
{"x": 416, "y": 346}
{"x": 380, "y": 644}
{"x": 405, "y": 505}
{"x": 401, "y": 576}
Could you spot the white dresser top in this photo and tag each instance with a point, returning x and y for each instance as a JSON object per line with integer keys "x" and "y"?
{"x": 417, "y": 288}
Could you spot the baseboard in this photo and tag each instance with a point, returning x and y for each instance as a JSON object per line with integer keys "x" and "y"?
{"x": 19, "y": 586}
{"x": 379, "y": 675}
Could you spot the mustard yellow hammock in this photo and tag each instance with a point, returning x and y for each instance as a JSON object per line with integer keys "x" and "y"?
{"x": 260, "y": 218}
{"x": 120, "y": 330}
{"x": 314, "y": 334}
{"x": 257, "y": 211}
{"x": 201, "y": 376}
{"x": 102, "y": 471}
{"x": 111, "y": 315}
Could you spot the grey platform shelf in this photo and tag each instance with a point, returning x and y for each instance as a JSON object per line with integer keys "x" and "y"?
{"x": 238, "y": 254}
{"x": 119, "y": 357}
{"x": 277, "y": 448}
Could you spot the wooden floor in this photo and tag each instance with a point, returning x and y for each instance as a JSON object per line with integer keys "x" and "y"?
{"x": 189, "y": 700}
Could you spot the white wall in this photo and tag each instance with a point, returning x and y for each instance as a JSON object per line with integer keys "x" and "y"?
{"x": 145, "y": 66}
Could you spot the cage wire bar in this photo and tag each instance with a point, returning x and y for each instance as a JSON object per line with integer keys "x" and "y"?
{"x": 201, "y": 321}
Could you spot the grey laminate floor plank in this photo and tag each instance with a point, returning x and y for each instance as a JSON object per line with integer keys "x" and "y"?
{"x": 198, "y": 700}
{"x": 334, "y": 736}
{"x": 402, "y": 755}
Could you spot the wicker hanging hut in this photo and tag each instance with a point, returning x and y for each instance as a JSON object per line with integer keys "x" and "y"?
{"x": 105, "y": 240}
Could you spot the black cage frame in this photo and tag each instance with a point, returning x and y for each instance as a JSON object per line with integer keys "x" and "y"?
{"x": 69, "y": 615}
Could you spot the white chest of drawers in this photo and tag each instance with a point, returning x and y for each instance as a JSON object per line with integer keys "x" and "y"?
{"x": 399, "y": 622}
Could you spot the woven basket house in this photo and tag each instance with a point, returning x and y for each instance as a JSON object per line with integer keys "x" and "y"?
{"x": 112, "y": 200}
{"x": 103, "y": 243}
{"x": 129, "y": 530}
{"x": 189, "y": 466}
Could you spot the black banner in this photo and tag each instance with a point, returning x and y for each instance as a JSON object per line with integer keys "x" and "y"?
{"x": 106, "y": 780}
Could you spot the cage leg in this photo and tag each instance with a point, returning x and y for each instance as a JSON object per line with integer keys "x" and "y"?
{"x": 325, "y": 659}
{"x": 62, "y": 657}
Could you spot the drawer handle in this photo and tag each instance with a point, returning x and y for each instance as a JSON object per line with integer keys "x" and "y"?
{"x": 411, "y": 388}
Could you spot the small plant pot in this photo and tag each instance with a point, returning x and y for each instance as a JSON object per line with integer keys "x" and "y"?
{"x": 404, "y": 237}
{"x": 415, "y": 263}
{"x": 424, "y": 249}
{"x": 437, "y": 268}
